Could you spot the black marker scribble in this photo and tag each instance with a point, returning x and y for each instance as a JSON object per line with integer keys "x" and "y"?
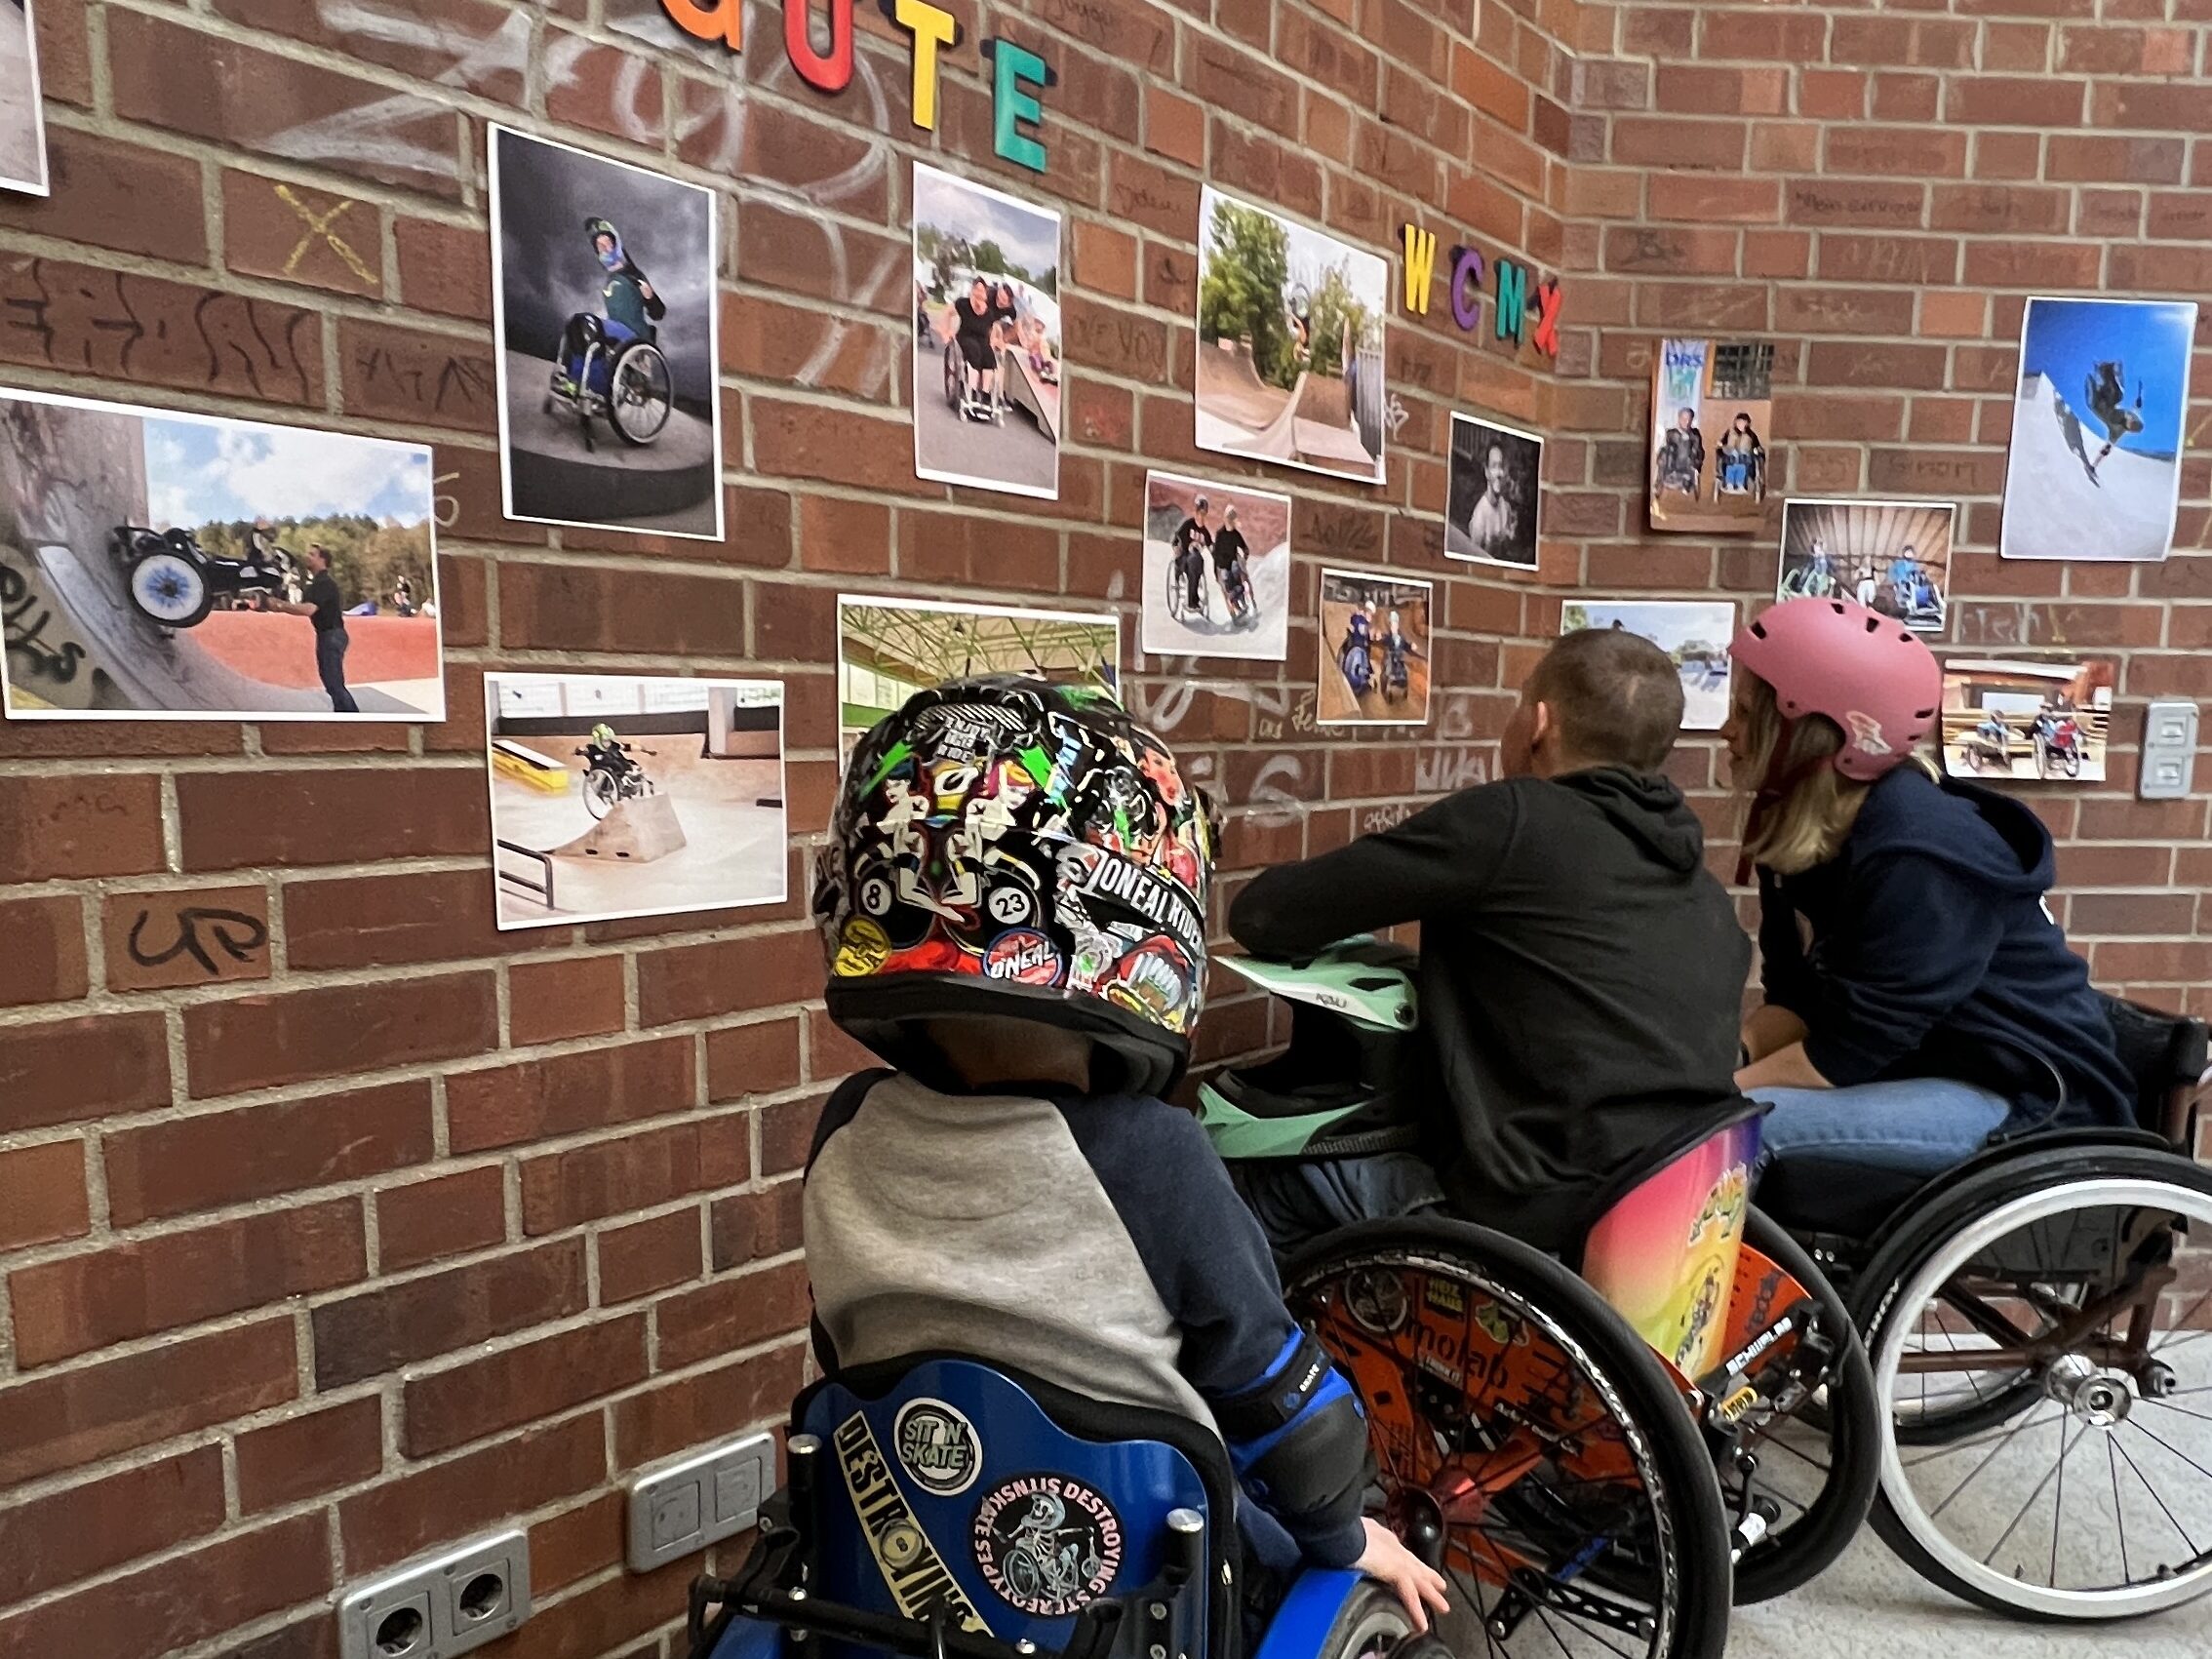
{"x": 236, "y": 934}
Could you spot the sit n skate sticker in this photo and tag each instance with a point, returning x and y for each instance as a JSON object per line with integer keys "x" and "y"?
{"x": 1048, "y": 1544}
{"x": 937, "y": 1447}
{"x": 916, "y": 1575}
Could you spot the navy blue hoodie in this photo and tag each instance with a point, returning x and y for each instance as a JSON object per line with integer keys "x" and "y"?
{"x": 1932, "y": 954}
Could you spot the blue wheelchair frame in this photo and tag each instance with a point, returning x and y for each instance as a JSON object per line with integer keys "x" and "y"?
{"x": 593, "y": 368}
{"x": 873, "y": 1554}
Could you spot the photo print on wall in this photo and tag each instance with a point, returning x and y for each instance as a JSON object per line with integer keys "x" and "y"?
{"x": 1694, "y": 632}
{"x": 2048, "y": 721}
{"x": 615, "y": 796}
{"x": 163, "y": 566}
{"x": 986, "y": 338}
{"x": 1216, "y": 569}
{"x": 1494, "y": 493}
{"x": 604, "y": 306}
{"x": 889, "y": 649}
{"x": 1711, "y": 420}
{"x": 1289, "y": 342}
{"x": 2094, "y": 469}
{"x": 1376, "y": 646}
{"x": 1893, "y": 557}
{"x": 23, "y": 117}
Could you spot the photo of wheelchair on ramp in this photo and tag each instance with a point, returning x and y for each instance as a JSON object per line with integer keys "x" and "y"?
{"x": 617, "y": 797}
{"x": 178, "y": 566}
{"x": 604, "y": 299}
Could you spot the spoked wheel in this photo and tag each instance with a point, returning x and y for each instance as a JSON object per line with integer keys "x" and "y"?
{"x": 639, "y": 396}
{"x": 170, "y": 589}
{"x": 2060, "y": 1467}
{"x": 956, "y": 377}
{"x": 1808, "y": 1472}
{"x": 601, "y": 791}
{"x": 1525, "y": 1438}
{"x": 1178, "y": 594}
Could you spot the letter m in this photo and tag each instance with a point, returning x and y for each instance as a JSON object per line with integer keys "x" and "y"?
{"x": 1512, "y": 302}
{"x": 1420, "y": 267}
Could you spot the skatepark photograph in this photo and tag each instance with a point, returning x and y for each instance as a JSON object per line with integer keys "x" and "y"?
{"x": 2094, "y": 471}
{"x": 889, "y": 649}
{"x": 986, "y": 338}
{"x": 606, "y": 316}
{"x": 22, "y": 122}
{"x": 2045, "y": 722}
{"x": 1893, "y": 557}
{"x": 1289, "y": 342}
{"x": 1694, "y": 632}
{"x": 165, "y": 566}
{"x": 613, "y": 796}
{"x": 1243, "y": 611}
{"x": 1375, "y": 650}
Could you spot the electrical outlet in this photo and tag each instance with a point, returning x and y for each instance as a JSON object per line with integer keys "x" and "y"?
{"x": 2169, "y": 750}
{"x": 703, "y": 1496}
{"x": 440, "y": 1605}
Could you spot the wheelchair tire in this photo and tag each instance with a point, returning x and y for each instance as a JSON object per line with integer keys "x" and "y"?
{"x": 168, "y": 588}
{"x": 641, "y": 395}
{"x": 1573, "y": 1409}
{"x": 1797, "y": 1549}
{"x": 2023, "y": 1236}
{"x": 1371, "y": 1624}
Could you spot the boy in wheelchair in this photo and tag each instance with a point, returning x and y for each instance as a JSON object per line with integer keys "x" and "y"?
{"x": 1581, "y": 971}
{"x": 632, "y": 309}
{"x": 1014, "y": 1222}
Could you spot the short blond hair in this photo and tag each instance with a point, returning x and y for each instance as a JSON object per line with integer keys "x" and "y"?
{"x": 1808, "y": 825}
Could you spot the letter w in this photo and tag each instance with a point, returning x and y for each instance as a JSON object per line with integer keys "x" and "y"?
{"x": 1420, "y": 267}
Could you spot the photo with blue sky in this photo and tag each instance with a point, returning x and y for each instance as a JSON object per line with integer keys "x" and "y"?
{"x": 2065, "y": 339}
{"x": 215, "y": 472}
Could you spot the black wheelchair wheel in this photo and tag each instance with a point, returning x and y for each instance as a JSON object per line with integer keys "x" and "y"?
{"x": 639, "y": 393}
{"x": 2057, "y": 1301}
{"x": 1526, "y": 1439}
{"x": 956, "y": 377}
{"x": 1816, "y": 1469}
{"x": 168, "y": 587}
{"x": 1371, "y": 1624}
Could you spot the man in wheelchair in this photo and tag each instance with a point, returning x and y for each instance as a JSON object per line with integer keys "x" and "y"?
{"x": 1054, "y": 1343}
{"x": 632, "y": 309}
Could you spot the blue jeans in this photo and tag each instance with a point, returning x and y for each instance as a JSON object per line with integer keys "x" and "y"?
{"x": 330, "y": 663}
{"x": 1842, "y": 1158}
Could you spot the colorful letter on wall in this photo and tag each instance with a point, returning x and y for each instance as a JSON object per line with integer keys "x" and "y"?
{"x": 714, "y": 19}
{"x": 1512, "y": 302}
{"x": 1548, "y": 317}
{"x": 1466, "y": 288}
{"x": 1013, "y": 70}
{"x": 931, "y": 28}
{"x": 1420, "y": 268}
{"x": 830, "y": 71}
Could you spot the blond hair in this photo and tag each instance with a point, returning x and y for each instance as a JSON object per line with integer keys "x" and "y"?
{"x": 1808, "y": 824}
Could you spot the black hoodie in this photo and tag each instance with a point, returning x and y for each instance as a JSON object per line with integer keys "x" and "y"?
{"x": 1581, "y": 981}
{"x": 1933, "y": 954}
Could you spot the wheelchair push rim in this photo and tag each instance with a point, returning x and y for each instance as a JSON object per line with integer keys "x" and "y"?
{"x": 1568, "y": 1502}
{"x": 641, "y": 396}
{"x": 2092, "y": 1497}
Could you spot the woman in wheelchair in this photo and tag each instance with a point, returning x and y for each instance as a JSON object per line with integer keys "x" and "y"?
{"x": 1918, "y": 996}
{"x": 1017, "y": 1194}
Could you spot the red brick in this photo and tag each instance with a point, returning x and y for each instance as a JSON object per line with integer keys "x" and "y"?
{"x": 89, "y": 1412}
{"x": 725, "y": 1400}
{"x": 2014, "y": 101}
{"x": 305, "y": 1456}
{"x": 92, "y": 824}
{"x": 380, "y": 921}
{"x": 79, "y": 1530}
{"x": 445, "y": 268}
{"x": 590, "y": 608}
{"x": 45, "y": 960}
{"x": 291, "y": 232}
{"x": 124, "y": 1290}
{"x": 577, "y": 1543}
{"x": 633, "y": 1172}
{"x": 731, "y": 1313}
{"x": 605, "y": 89}
{"x": 394, "y": 1325}
{"x": 483, "y": 1488}
{"x": 293, "y": 1035}
{"x": 729, "y": 976}
{"x": 608, "y": 1084}
{"x": 62, "y": 1071}
{"x": 42, "y": 1197}
{"x": 443, "y": 1216}
{"x": 573, "y": 997}
{"x": 114, "y": 195}
{"x": 2118, "y": 160}
{"x": 413, "y": 376}
{"x": 648, "y": 1256}
{"x": 180, "y": 1601}
{"x": 215, "y": 1159}
{"x": 518, "y": 1385}
{"x": 230, "y": 820}
{"x": 749, "y": 1226}
{"x": 752, "y": 1059}
{"x": 463, "y": 51}
{"x": 178, "y": 936}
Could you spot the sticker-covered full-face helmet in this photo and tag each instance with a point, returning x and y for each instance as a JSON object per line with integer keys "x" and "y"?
{"x": 1009, "y": 848}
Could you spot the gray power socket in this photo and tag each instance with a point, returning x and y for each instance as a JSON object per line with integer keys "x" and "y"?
{"x": 440, "y": 1605}
{"x": 696, "y": 1499}
{"x": 2169, "y": 750}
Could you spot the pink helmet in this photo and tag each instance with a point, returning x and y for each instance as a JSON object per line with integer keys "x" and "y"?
{"x": 1869, "y": 675}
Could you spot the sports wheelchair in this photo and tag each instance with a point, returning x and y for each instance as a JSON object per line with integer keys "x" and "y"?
{"x": 1549, "y": 1427}
{"x": 2038, "y": 1321}
{"x": 943, "y": 1509}
{"x": 607, "y": 370}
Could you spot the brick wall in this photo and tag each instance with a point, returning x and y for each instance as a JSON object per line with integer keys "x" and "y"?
{"x": 436, "y": 1227}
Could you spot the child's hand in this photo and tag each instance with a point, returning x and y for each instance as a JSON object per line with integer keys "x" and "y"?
{"x": 1392, "y": 1563}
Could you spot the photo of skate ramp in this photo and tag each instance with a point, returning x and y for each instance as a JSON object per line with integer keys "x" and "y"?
{"x": 1358, "y": 658}
{"x": 2094, "y": 471}
{"x": 73, "y": 472}
{"x": 704, "y": 828}
{"x": 1263, "y": 519}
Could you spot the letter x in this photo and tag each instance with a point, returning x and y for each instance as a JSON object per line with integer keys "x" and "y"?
{"x": 1548, "y": 317}
{"x": 319, "y": 224}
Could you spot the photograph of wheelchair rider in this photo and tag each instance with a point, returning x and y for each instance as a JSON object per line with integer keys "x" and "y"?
{"x": 608, "y": 752}
{"x": 631, "y": 307}
{"x": 1018, "y": 1192}
{"x": 1919, "y": 998}
{"x": 1190, "y": 541}
{"x": 975, "y": 321}
{"x": 1581, "y": 971}
{"x": 1229, "y": 551}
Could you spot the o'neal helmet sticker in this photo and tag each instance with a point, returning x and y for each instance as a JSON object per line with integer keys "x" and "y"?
{"x": 916, "y": 1575}
{"x": 1025, "y": 955}
{"x": 1048, "y": 1544}
{"x": 937, "y": 1447}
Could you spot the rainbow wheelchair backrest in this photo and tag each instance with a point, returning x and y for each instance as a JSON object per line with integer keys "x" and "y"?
{"x": 945, "y": 1509}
